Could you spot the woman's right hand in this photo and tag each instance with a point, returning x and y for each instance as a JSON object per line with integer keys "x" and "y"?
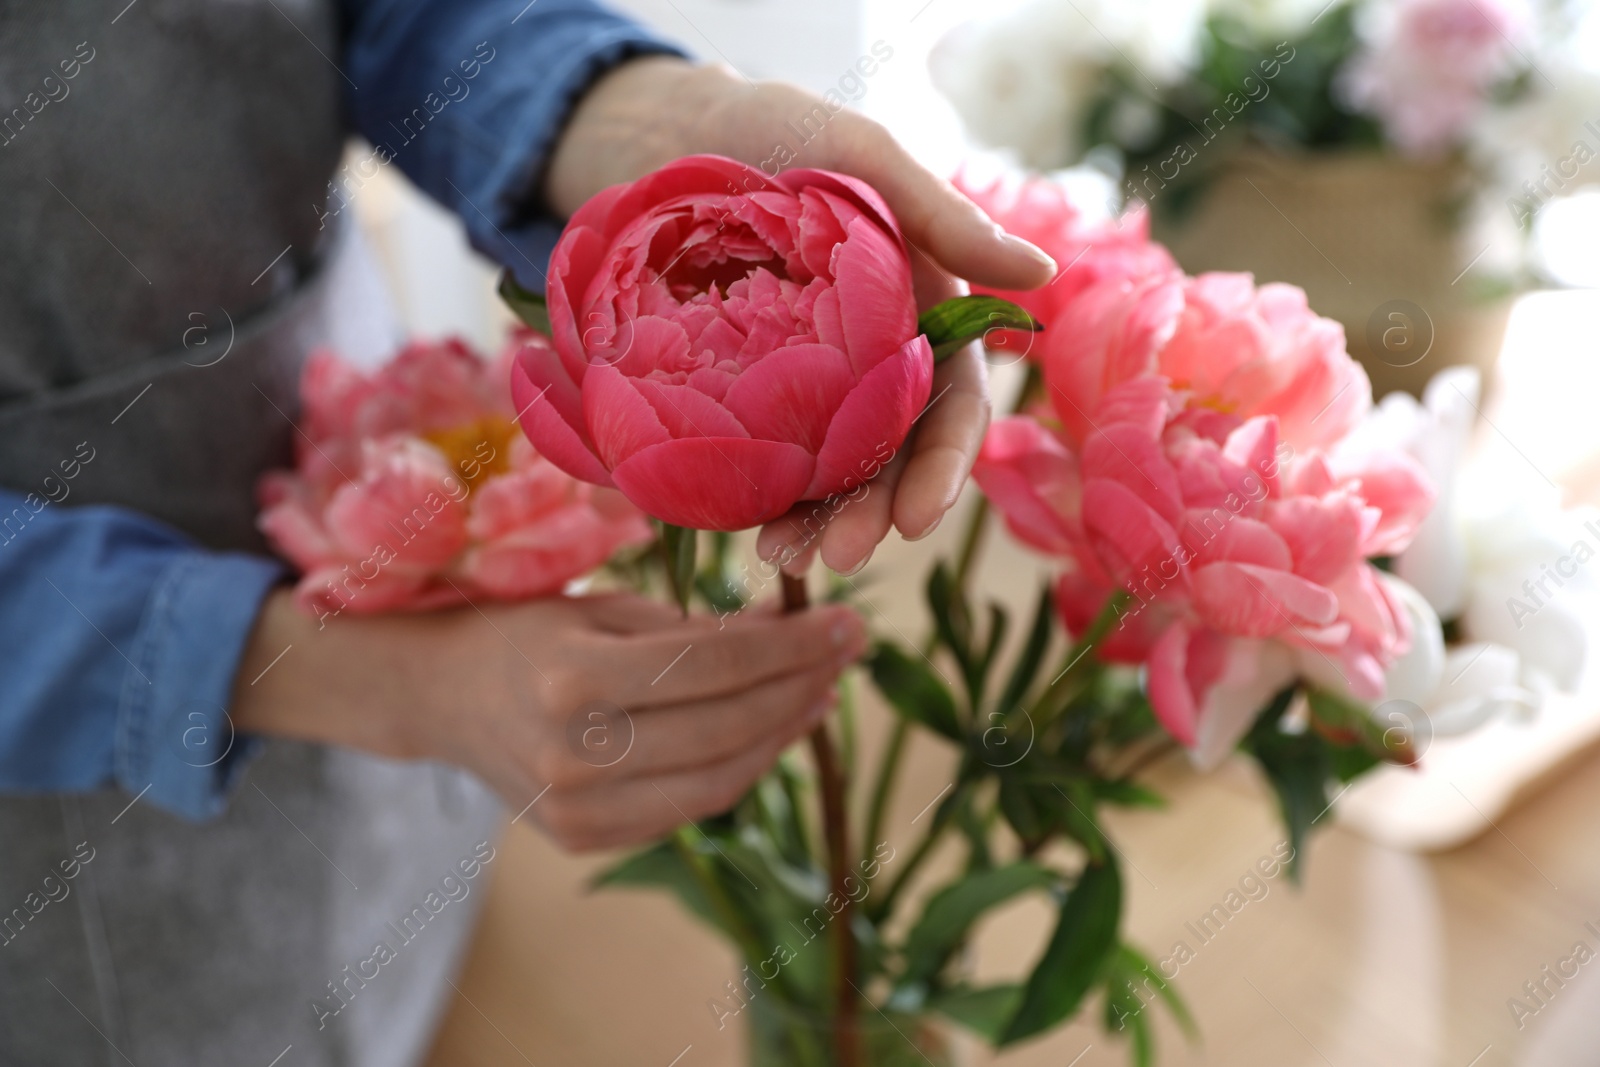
{"x": 621, "y": 717}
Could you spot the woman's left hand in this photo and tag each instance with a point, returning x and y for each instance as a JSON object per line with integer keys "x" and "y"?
{"x": 651, "y": 111}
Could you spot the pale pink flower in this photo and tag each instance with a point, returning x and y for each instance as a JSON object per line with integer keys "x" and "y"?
{"x": 1430, "y": 66}
{"x": 412, "y": 489}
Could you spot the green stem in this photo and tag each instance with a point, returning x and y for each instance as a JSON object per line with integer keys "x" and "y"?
{"x": 1079, "y": 652}
{"x": 727, "y": 914}
{"x": 884, "y": 904}
{"x": 889, "y": 765}
{"x": 966, "y": 557}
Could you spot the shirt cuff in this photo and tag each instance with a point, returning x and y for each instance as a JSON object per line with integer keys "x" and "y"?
{"x": 175, "y": 741}
{"x": 513, "y": 227}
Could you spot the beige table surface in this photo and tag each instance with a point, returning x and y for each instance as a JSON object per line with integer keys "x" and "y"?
{"x": 1382, "y": 958}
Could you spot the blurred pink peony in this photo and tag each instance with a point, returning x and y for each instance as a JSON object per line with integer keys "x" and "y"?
{"x": 1238, "y": 348}
{"x": 1430, "y": 67}
{"x": 726, "y": 344}
{"x": 1089, "y": 251}
{"x": 1246, "y": 563}
{"x": 412, "y": 489}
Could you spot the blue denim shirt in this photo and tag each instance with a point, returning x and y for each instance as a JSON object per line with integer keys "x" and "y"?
{"x": 115, "y": 629}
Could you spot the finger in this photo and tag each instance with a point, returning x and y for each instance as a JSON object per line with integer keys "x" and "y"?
{"x": 697, "y": 662}
{"x": 860, "y": 526}
{"x": 934, "y": 214}
{"x": 948, "y": 436}
{"x": 688, "y": 736}
{"x": 792, "y": 540}
{"x": 621, "y": 613}
{"x": 638, "y": 811}
{"x": 929, "y": 282}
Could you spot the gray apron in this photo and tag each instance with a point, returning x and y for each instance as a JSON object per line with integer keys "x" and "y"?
{"x": 162, "y": 210}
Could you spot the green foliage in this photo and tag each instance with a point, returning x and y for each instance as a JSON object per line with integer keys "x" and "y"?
{"x": 961, "y": 320}
{"x": 525, "y": 304}
{"x": 950, "y": 914}
{"x": 913, "y": 690}
{"x": 1085, "y": 936}
{"x": 678, "y": 547}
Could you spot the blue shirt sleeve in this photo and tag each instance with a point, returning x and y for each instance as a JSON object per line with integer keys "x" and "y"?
{"x": 469, "y": 97}
{"x": 119, "y": 642}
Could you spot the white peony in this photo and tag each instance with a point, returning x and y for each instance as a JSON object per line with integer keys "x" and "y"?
{"x": 1024, "y": 80}
{"x": 1505, "y": 562}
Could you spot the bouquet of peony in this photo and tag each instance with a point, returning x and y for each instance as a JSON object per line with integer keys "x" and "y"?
{"x": 723, "y": 348}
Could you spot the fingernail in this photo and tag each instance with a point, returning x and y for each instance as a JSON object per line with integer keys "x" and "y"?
{"x": 932, "y": 526}
{"x": 853, "y": 571}
{"x": 1029, "y": 249}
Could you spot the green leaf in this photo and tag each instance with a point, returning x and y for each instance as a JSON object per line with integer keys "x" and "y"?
{"x": 660, "y": 866}
{"x": 678, "y": 546}
{"x": 1297, "y": 767}
{"x": 1085, "y": 935}
{"x": 1031, "y": 656}
{"x": 525, "y": 304}
{"x": 1134, "y": 966}
{"x": 952, "y": 618}
{"x": 1127, "y": 793}
{"x": 985, "y": 1011}
{"x": 948, "y": 917}
{"x": 913, "y": 690}
{"x": 965, "y": 319}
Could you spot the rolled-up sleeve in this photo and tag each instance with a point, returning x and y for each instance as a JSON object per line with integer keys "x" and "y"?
{"x": 468, "y": 99}
{"x": 119, "y": 643}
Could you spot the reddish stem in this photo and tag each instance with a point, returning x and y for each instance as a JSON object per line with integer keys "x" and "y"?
{"x": 835, "y": 822}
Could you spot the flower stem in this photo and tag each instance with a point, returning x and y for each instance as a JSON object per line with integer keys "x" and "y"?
{"x": 889, "y": 765}
{"x": 836, "y": 823}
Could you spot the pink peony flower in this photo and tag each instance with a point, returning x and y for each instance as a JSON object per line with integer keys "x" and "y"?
{"x": 1238, "y": 348}
{"x": 1246, "y": 563}
{"x": 725, "y": 343}
{"x": 1089, "y": 251}
{"x": 412, "y": 489}
{"x": 1430, "y": 68}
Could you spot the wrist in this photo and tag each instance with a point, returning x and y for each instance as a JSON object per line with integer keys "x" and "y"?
{"x": 639, "y": 116}
{"x": 343, "y": 682}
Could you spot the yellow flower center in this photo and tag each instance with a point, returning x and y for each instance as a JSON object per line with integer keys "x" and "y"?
{"x": 476, "y": 450}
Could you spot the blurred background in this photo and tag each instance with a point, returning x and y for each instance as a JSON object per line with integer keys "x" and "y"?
{"x": 1429, "y": 184}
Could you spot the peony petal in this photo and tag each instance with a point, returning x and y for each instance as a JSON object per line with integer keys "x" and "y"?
{"x": 875, "y": 300}
{"x": 709, "y": 484}
{"x": 1247, "y": 600}
{"x": 792, "y": 394}
{"x": 549, "y": 410}
{"x": 1031, "y": 477}
{"x": 874, "y": 419}
{"x": 687, "y": 412}
{"x": 620, "y": 420}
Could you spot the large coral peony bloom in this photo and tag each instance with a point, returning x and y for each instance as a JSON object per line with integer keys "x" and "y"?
{"x": 1246, "y": 564}
{"x": 1238, "y": 347}
{"x": 1089, "y": 250}
{"x": 412, "y": 489}
{"x": 725, "y": 343}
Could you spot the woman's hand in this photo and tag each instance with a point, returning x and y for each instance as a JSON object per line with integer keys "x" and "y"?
{"x": 620, "y": 717}
{"x": 652, "y": 111}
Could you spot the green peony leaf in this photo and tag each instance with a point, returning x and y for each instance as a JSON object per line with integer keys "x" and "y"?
{"x": 914, "y": 691}
{"x": 964, "y": 319}
{"x": 526, "y": 304}
{"x": 1085, "y": 936}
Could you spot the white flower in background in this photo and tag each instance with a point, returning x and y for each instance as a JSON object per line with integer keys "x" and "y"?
{"x": 1516, "y": 573}
{"x": 1428, "y": 67}
{"x": 1024, "y": 80}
